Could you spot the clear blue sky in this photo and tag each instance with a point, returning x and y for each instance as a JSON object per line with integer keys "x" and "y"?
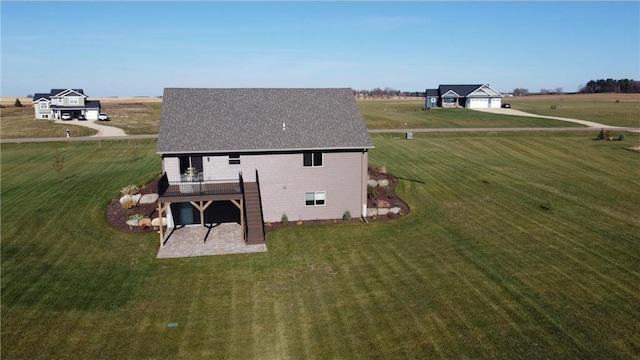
{"x": 139, "y": 48}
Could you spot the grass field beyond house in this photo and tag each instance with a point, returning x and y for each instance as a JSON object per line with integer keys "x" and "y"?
{"x": 408, "y": 114}
{"x": 478, "y": 269}
{"x": 610, "y": 109}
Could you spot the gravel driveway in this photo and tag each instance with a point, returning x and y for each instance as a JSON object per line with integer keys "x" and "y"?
{"x": 103, "y": 130}
{"x": 514, "y": 112}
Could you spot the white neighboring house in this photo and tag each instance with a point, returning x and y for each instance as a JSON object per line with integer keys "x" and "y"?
{"x": 51, "y": 106}
{"x": 468, "y": 96}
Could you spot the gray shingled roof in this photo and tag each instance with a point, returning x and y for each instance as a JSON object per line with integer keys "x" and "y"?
{"x": 431, "y": 92}
{"x": 228, "y": 120}
{"x": 39, "y": 96}
{"x": 462, "y": 90}
{"x": 55, "y": 92}
{"x": 92, "y": 104}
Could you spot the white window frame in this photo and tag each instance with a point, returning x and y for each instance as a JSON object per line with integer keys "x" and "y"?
{"x": 313, "y": 157}
{"x": 44, "y": 105}
{"x": 74, "y": 100}
{"x": 318, "y": 196}
{"x": 234, "y": 159}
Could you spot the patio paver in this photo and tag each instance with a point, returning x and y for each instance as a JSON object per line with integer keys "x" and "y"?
{"x": 221, "y": 239}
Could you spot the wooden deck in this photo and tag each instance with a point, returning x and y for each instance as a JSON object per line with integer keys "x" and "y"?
{"x": 199, "y": 192}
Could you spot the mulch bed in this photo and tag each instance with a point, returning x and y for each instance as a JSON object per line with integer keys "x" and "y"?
{"x": 117, "y": 216}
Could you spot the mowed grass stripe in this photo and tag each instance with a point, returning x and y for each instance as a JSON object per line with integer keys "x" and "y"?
{"x": 519, "y": 219}
{"x": 477, "y": 276}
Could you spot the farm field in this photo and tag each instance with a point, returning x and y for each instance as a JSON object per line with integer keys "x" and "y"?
{"x": 610, "y": 109}
{"x": 478, "y": 269}
{"x": 139, "y": 116}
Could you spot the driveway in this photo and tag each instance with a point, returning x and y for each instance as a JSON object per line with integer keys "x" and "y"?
{"x": 514, "y": 112}
{"x": 103, "y": 130}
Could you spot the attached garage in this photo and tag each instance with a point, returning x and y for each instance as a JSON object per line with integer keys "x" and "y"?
{"x": 496, "y": 103}
{"x": 92, "y": 114}
{"x": 478, "y": 103}
{"x": 92, "y": 109}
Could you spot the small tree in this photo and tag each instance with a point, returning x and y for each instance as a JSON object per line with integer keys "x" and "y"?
{"x": 601, "y": 135}
{"x": 17, "y": 103}
{"x": 284, "y": 219}
{"x": 58, "y": 163}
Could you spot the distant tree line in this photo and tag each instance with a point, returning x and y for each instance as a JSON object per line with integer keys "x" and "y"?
{"x": 611, "y": 86}
{"x": 387, "y": 93}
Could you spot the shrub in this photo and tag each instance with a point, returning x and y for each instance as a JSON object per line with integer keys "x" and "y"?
{"x": 601, "y": 135}
{"x": 130, "y": 190}
{"x": 372, "y": 192}
{"x": 129, "y": 203}
{"x": 346, "y": 216}
{"x": 621, "y": 137}
{"x": 17, "y": 103}
{"x": 137, "y": 217}
{"x": 284, "y": 219}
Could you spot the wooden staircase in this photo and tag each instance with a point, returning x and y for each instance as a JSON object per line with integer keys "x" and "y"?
{"x": 255, "y": 226}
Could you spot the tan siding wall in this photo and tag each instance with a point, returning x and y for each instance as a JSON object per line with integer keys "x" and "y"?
{"x": 284, "y": 182}
{"x": 171, "y": 166}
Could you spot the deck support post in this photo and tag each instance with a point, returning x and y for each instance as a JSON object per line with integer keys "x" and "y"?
{"x": 202, "y": 207}
{"x": 161, "y": 208}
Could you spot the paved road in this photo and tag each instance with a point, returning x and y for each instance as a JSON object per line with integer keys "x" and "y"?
{"x": 514, "y": 112}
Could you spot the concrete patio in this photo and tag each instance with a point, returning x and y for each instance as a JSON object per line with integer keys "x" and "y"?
{"x": 221, "y": 239}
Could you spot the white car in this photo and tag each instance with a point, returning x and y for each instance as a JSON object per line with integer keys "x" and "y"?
{"x": 103, "y": 117}
{"x": 65, "y": 116}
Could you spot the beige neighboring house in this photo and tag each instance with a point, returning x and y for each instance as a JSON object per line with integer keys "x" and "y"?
{"x": 51, "y": 106}
{"x": 251, "y": 155}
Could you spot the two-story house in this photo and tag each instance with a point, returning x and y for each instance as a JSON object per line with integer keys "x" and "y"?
{"x": 52, "y": 105}
{"x": 261, "y": 154}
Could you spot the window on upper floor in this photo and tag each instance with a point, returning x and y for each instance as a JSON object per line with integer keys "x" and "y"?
{"x": 73, "y": 100}
{"x": 312, "y": 158}
{"x": 44, "y": 105}
{"x": 315, "y": 198}
{"x": 234, "y": 159}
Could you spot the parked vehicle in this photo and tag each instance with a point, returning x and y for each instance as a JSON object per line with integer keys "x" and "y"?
{"x": 506, "y": 105}
{"x": 103, "y": 117}
{"x": 65, "y": 116}
{"x": 81, "y": 117}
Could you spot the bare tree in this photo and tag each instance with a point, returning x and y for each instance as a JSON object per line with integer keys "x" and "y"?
{"x": 559, "y": 90}
{"x": 58, "y": 163}
{"x": 520, "y": 92}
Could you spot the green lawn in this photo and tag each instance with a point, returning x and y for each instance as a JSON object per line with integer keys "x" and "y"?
{"x": 610, "y": 109}
{"x": 402, "y": 114}
{"x": 18, "y": 122}
{"x": 478, "y": 269}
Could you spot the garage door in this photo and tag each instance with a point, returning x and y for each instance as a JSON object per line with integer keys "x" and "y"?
{"x": 92, "y": 114}
{"x": 496, "y": 102}
{"x": 479, "y": 103}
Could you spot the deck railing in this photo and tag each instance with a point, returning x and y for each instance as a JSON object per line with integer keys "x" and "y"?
{"x": 260, "y": 200}
{"x": 201, "y": 187}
